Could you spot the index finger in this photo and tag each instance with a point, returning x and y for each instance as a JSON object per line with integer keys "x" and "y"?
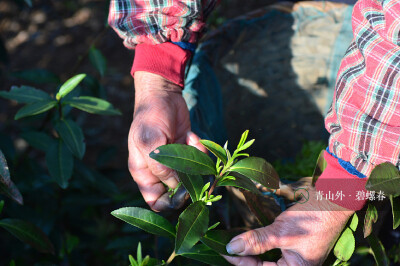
{"x": 149, "y": 185}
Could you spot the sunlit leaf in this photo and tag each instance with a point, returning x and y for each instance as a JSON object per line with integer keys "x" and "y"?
{"x": 371, "y": 216}
{"x": 193, "y": 184}
{"x": 243, "y": 138}
{"x": 378, "y": 251}
{"x": 246, "y": 145}
{"x": 216, "y": 149}
{"x": 192, "y": 225}
{"x": 93, "y": 105}
{"x": 25, "y": 94}
{"x": 395, "y": 202}
{"x": 37, "y": 76}
{"x": 69, "y": 85}
{"x": 38, "y": 140}
{"x": 319, "y": 167}
{"x": 72, "y": 135}
{"x": 139, "y": 254}
{"x": 240, "y": 182}
{"x": 218, "y": 239}
{"x": 345, "y": 246}
{"x": 213, "y": 226}
{"x": 98, "y": 60}
{"x": 185, "y": 159}
{"x": 7, "y": 187}
{"x": 60, "y": 163}
{"x": 35, "y": 108}
{"x": 204, "y": 254}
{"x": 132, "y": 261}
{"x": 384, "y": 177}
{"x": 354, "y": 222}
{"x": 28, "y": 233}
{"x": 258, "y": 170}
{"x": 146, "y": 220}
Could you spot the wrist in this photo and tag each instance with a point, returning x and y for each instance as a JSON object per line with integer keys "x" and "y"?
{"x": 150, "y": 82}
{"x": 167, "y": 60}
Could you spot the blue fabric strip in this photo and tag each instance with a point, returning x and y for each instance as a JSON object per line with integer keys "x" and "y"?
{"x": 347, "y": 166}
{"x": 186, "y": 45}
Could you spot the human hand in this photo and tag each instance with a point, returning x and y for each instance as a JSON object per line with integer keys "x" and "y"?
{"x": 305, "y": 233}
{"x": 160, "y": 117}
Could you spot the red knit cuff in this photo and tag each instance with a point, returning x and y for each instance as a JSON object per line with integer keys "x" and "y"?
{"x": 341, "y": 187}
{"x": 167, "y": 60}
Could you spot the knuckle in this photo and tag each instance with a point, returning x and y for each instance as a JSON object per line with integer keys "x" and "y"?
{"x": 256, "y": 240}
{"x": 162, "y": 171}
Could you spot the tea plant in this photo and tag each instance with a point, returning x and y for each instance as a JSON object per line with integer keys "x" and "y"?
{"x": 62, "y": 141}
{"x": 193, "y": 236}
{"x": 69, "y": 142}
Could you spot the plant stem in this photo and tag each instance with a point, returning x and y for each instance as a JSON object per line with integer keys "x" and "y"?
{"x": 213, "y": 186}
{"x": 171, "y": 258}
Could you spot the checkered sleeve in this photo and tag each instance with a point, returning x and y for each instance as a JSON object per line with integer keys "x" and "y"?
{"x": 158, "y": 21}
{"x": 364, "y": 119}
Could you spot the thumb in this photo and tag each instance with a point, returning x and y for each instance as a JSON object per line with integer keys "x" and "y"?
{"x": 253, "y": 242}
{"x": 193, "y": 140}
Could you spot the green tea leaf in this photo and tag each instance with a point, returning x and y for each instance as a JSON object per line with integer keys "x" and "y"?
{"x": 7, "y": 187}
{"x": 38, "y": 140}
{"x": 1, "y": 206}
{"x": 354, "y": 222}
{"x": 25, "y": 94}
{"x": 93, "y": 105}
{"x": 69, "y": 85}
{"x": 139, "y": 254}
{"x": 28, "y": 233}
{"x": 395, "y": 202}
{"x": 37, "y": 76}
{"x": 213, "y": 226}
{"x": 192, "y": 225}
{"x": 258, "y": 170}
{"x": 204, "y": 254}
{"x": 384, "y": 177}
{"x": 218, "y": 239}
{"x": 216, "y": 149}
{"x": 378, "y": 251}
{"x": 72, "y": 136}
{"x": 345, "y": 246}
{"x": 240, "y": 182}
{"x": 132, "y": 261}
{"x": 319, "y": 168}
{"x": 193, "y": 184}
{"x": 243, "y": 138}
{"x": 371, "y": 216}
{"x": 146, "y": 220}
{"x": 185, "y": 159}
{"x": 35, "y": 108}
{"x": 60, "y": 163}
{"x": 246, "y": 145}
{"x": 98, "y": 60}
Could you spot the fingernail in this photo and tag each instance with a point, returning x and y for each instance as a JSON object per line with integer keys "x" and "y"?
{"x": 235, "y": 247}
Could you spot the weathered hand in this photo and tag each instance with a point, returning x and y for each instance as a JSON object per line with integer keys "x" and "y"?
{"x": 305, "y": 233}
{"x": 160, "y": 117}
